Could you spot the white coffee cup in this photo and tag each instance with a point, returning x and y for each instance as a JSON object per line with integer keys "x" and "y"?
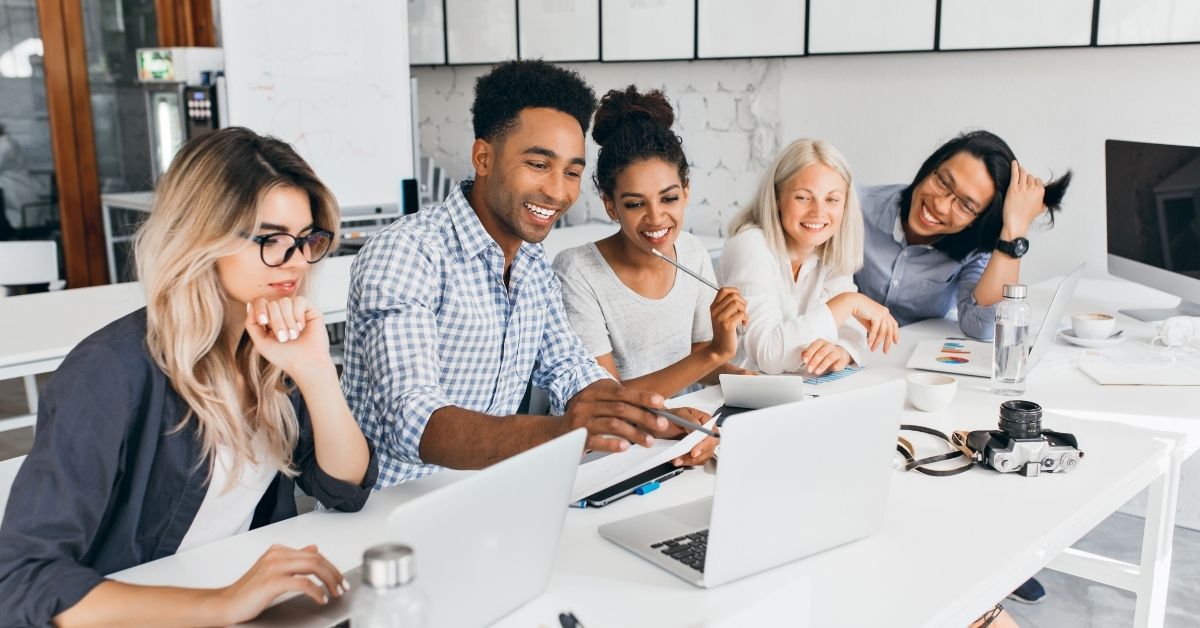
{"x": 931, "y": 392}
{"x": 1093, "y": 325}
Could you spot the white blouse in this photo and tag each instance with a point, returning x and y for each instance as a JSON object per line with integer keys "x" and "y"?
{"x": 224, "y": 513}
{"x": 786, "y": 314}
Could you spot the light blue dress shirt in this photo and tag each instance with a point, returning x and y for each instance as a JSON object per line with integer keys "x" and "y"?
{"x": 917, "y": 281}
{"x": 430, "y": 323}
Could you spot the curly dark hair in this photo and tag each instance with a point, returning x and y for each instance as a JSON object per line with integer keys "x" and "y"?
{"x": 501, "y": 94}
{"x": 997, "y": 158}
{"x": 631, "y": 127}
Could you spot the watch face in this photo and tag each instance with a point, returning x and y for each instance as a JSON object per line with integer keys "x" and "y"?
{"x": 1020, "y": 246}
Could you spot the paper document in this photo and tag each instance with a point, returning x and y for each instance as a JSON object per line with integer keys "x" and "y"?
{"x": 603, "y": 472}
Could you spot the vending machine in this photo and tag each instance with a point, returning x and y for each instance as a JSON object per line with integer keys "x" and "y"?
{"x": 184, "y": 91}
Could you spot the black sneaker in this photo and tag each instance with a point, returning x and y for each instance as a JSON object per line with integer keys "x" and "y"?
{"x": 1031, "y": 592}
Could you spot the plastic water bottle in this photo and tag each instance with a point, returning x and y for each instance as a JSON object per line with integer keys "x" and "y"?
{"x": 387, "y": 597}
{"x": 1010, "y": 357}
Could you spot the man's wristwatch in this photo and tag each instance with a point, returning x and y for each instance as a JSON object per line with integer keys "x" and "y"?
{"x": 1014, "y": 248}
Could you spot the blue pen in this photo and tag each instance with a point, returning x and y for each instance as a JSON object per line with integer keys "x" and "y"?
{"x": 648, "y": 487}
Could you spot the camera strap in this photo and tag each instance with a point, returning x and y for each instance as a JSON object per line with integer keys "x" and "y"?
{"x": 912, "y": 463}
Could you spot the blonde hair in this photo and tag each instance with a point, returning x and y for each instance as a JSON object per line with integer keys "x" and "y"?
{"x": 204, "y": 206}
{"x": 843, "y": 253}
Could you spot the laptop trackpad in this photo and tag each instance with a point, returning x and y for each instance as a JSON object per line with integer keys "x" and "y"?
{"x": 695, "y": 515}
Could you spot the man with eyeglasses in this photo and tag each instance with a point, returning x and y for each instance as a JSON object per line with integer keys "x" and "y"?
{"x": 952, "y": 238}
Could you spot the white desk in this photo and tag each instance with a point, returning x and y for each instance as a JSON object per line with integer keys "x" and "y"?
{"x": 949, "y": 549}
{"x": 38, "y": 330}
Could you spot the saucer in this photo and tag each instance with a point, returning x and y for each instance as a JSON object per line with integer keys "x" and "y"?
{"x": 1094, "y": 343}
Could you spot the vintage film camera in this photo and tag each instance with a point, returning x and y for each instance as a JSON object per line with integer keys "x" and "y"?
{"x": 1021, "y": 445}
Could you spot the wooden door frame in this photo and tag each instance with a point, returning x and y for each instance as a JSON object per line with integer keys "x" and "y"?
{"x": 72, "y": 135}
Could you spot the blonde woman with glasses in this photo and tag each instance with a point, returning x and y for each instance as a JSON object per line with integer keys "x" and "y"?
{"x": 194, "y": 418}
{"x": 792, "y": 253}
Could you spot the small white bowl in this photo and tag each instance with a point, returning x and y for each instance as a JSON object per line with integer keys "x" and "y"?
{"x": 931, "y": 392}
{"x": 1093, "y": 325}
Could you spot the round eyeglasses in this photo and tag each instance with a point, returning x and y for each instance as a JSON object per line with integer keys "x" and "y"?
{"x": 276, "y": 249}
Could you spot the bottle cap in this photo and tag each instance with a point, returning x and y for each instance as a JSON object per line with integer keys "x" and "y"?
{"x": 1014, "y": 291}
{"x": 388, "y": 566}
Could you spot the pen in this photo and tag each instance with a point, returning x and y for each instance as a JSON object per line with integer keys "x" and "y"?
{"x": 682, "y": 422}
{"x": 686, "y": 270}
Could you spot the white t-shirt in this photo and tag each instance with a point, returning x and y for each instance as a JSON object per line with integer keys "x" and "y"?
{"x": 225, "y": 513}
{"x": 643, "y": 335}
{"x": 786, "y": 314}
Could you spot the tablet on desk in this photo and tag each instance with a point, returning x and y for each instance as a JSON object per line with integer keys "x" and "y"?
{"x": 626, "y": 487}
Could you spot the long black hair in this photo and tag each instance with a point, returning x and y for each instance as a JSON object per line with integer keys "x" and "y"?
{"x": 631, "y": 127}
{"x": 997, "y": 159}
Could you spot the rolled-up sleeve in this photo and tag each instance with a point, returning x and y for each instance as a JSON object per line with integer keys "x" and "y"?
{"x": 313, "y": 480}
{"x": 393, "y": 303}
{"x": 773, "y": 340}
{"x": 975, "y": 320}
{"x": 61, "y": 494}
{"x": 563, "y": 366}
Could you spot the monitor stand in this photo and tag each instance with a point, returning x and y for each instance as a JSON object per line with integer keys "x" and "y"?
{"x": 1185, "y": 308}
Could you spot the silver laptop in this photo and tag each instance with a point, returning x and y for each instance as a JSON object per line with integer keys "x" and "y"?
{"x": 484, "y": 545}
{"x": 835, "y": 493}
{"x": 962, "y": 356}
{"x": 761, "y": 391}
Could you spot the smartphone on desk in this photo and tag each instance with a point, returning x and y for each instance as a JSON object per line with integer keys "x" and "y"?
{"x": 626, "y": 487}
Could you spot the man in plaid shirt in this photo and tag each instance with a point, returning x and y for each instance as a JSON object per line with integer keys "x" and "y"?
{"x": 454, "y": 309}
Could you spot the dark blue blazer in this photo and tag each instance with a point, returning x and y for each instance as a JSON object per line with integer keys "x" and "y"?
{"x": 114, "y": 480}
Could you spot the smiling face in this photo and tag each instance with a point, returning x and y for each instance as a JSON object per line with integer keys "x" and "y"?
{"x": 648, "y": 201}
{"x": 950, "y": 198}
{"x": 811, "y": 206}
{"x": 244, "y": 276}
{"x": 530, "y": 176}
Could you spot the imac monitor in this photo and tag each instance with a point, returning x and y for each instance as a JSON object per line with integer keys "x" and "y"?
{"x": 1154, "y": 221}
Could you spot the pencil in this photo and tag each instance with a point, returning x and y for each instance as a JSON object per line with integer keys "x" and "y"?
{"x": 686, "y": 270}
{"x": 682, "y": 422}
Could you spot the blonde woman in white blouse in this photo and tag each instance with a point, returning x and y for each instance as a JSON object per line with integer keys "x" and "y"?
{"x": 793, "y": 253}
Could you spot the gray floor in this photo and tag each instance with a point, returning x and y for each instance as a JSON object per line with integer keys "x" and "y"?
{"x": 1071, "y": 602}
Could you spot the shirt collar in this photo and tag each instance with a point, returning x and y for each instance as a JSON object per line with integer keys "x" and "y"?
{"x": 472, "y": 237}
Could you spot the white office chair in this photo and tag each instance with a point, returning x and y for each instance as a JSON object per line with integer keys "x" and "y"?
{"x": 29, "y": 262}
{"x": 26, "y": 263}
{"x": 8, "y": 473}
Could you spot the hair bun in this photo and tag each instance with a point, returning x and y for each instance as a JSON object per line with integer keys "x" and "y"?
{"x": 621, "y": 107}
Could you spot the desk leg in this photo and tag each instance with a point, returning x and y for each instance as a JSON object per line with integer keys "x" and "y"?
{"x": 1157, "y": 538}
{"x": 31, "y": 393}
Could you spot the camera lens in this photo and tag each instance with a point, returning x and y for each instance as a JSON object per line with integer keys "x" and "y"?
{"x": 1021, "y": 419}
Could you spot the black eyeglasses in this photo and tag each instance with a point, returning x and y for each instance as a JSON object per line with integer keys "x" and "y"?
{"x": 958, "y": 203}
{"x": 276, "y": 249}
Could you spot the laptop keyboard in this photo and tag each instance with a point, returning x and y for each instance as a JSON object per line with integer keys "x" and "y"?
{"x": 688, "y": 549}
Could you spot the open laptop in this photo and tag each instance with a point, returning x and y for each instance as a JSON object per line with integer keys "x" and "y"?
{"x": 961, "y": 356}
{"x": 784, "y": 489}
{"x": 484, "y": 545}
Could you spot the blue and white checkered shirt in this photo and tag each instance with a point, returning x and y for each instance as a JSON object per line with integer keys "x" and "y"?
{"x": 431, "y": 324}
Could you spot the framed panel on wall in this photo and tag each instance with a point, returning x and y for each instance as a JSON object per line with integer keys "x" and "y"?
{"x": 870, "y": 25}
{"x": 980, "y": 24}
{"x": 648, "y": 30}
{"x": 1148, "y": 22}
{"x": 426, "y": 32}
{"x": 480, "y": 31}
{"x": 750, "y": 28}
{"x": 559, "y": 30}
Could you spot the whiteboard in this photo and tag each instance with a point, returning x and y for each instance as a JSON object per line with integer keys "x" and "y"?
{"x": 636, "y": 30}
{"x": 870, "y": 25}
{"x": 330, "y": 78}
{"x": 975, "y": 24}
{"x": 480, "y": 31}
{"x": 1148, "y": 21}
{"x": 426, "y": 32}
{"x": 750, "y": 28}
{"x": 559, "y": 30}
